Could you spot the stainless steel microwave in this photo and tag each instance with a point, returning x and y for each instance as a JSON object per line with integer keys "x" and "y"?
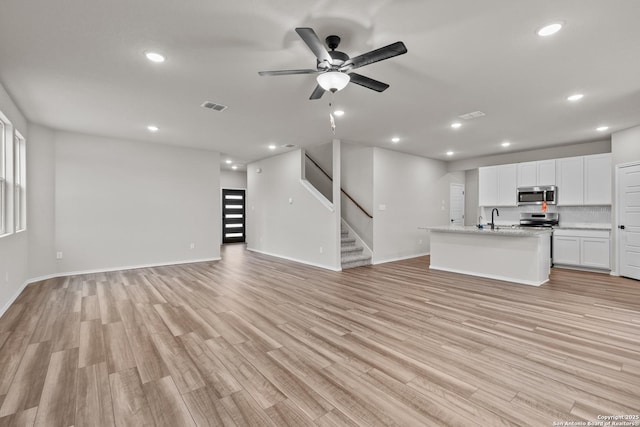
{"x": 537, "y": 195}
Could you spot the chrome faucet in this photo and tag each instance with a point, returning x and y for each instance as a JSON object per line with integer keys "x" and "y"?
{"x": 492, "y": 220}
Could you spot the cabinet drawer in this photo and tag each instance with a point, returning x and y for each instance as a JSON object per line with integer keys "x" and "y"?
{"x": 603, "y": 234}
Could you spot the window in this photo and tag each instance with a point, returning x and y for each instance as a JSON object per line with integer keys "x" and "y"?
{"x": 20, "y": 181}
{"x": 3, "y": 178}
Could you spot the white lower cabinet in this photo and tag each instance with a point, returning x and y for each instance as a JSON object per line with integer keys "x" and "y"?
{"x": 566, "y": 250}
{"x": 581, "y": 248}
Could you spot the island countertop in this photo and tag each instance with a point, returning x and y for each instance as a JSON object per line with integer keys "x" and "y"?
{"x": 498, "y": 231}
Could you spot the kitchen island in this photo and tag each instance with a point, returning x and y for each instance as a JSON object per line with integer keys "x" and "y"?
{"x": 512, "y": 254}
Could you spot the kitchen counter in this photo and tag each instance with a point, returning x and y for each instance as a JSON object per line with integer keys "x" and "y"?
{"x": 600, "y": 228}
{"x": 498, "y": 231}
{"x": 511, "y": 254}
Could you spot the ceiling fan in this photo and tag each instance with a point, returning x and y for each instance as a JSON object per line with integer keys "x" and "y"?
{"x": 334, "y": 68}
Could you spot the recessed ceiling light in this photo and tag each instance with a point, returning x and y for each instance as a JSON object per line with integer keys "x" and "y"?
{"x": 575, "y": 97}
{"x": 228, "y": 161}
{"x": 395, "y": 139}
{"x": 449, "y": 153}
{"x": 338, "y": 113}
{"x": 272, "y": 147}
{"x": 602, "y": 128}
{"x": 153, "y": 128}
{"x": 550, "y": 29}
{"x": 154, "y": 56}
{"x": 506, "y": 144}
{"x": 234, "y": 167}
{"x": 456, "y": 125}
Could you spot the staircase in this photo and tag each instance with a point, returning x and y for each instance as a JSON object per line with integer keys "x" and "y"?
{"x": 351, "y": 254}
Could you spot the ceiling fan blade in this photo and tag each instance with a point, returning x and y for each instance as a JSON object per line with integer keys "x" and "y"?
{"x": 367, "y": 82}
{"x": 317, "y": 47}
{"x": 394, "y": 49}
{"x": 287, "y": 72}
{"x": 317, "y": 93}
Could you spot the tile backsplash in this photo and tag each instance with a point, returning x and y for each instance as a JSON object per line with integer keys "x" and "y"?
{"x": 570, "y": 216}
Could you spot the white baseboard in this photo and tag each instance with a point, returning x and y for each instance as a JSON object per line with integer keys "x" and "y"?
{"x": 133, "y": 267}
{"x": 326, "y": 267}
{"x": 13, "y": 299}
{"x": 98, "y": 270}
{"x": 382, "y": 261}
{"x": 582, "y": 268}
{"x": 489, "y": 276}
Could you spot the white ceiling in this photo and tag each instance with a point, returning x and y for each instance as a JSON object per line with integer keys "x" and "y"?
{"x": 78, "y": 65}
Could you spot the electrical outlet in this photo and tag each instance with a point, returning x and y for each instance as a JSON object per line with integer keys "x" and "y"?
{"x": 321, "y": 249}
{"x": 59, "y": 255}
{"x": 192, "y": 246}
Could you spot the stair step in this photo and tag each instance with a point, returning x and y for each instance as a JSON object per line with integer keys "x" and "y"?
{"x": 352, "y": 257}
{"x": 351, "y": 249}
{"x": 348, "y": 241}
{"x": 355, "y": 261}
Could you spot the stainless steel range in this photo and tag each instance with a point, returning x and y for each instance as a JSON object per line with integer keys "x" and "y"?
{"x": 545, "y": 220}
{"x": 541, "y": 220}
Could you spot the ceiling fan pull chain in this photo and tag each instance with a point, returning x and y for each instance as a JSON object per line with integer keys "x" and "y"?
{"x": 332, "y": 121}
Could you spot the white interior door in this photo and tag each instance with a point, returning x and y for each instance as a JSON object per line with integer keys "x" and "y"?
{"x": 456, "y": 204}
{"x": 628, "y": 207}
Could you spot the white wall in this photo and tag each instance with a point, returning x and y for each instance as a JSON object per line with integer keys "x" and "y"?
{"x": 357, "y": 180}
{"x": 415, "y": 193}
{"x": 233, "y": 179}
{"x": 41, "y": 199}
{"x": 319, "y": 180}
{"x": 13, "y": 248}
{"x": 120, "y": 203}
{"x": 582, "y": 149}
{"x": 471, "y": 190}
{"x": 625, "y": 148}
{"x": 295, "y": 230}
{"x": 322, "y": 155}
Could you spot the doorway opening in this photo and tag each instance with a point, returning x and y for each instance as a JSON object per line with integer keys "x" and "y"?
{"x": 233, "y": 216}
{"x": 456, "y": 204}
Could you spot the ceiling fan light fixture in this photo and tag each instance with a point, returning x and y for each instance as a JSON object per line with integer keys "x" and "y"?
{"x": 333, "y": 80}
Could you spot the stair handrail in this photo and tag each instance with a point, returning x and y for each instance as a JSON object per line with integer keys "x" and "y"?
{"x": 341, "y": 189}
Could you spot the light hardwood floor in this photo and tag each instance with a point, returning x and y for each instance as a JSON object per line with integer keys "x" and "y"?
{"x": 254, "y": 340}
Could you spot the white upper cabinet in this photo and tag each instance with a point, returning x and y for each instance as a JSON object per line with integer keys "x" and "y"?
{"x": 570, "y": 177}
{"x": 507, "y": 185}
{"x": 584, "y": 180}
{"x": 497, "y": 185}
{"x": 532, "y": 174}
{"x": 488, "y": 186}
{"x": 528, "y": 174}
{"x": 597, "y": 179}
{"x": 546, "y": 172}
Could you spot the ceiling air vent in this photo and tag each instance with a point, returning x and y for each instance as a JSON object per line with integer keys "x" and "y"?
{"x": 472, "y": 115}
{"x": 289, "y": 145}
{"x": 213, "y": 106}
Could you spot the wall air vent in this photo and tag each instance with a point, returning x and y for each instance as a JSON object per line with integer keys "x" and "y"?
{"x": 213, "y": 106}
{"x": 472, "y": 115}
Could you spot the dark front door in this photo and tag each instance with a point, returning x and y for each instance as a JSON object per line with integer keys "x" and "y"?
{"x": 233, "y": 210}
